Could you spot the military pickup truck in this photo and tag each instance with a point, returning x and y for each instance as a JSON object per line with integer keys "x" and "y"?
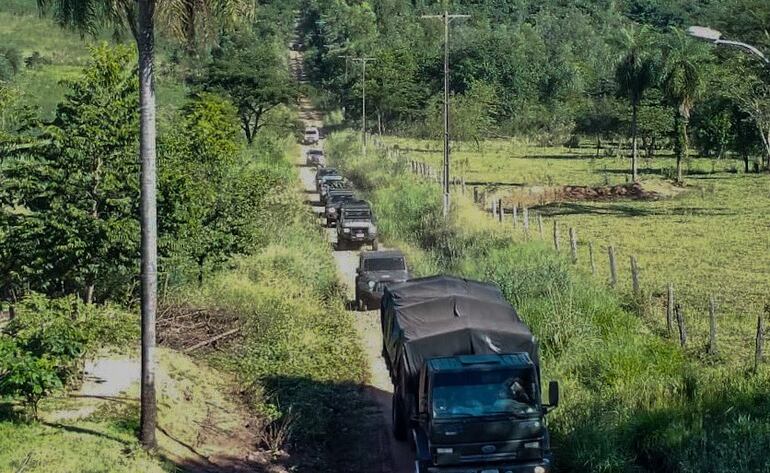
{"x": 466, "y": 378}
{"x": 334, "y": 200}
{"x": 355, "y": 226}
{"x": 375, "y": 270}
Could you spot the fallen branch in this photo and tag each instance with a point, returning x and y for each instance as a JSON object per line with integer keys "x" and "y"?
{"x": 211, "y": 340}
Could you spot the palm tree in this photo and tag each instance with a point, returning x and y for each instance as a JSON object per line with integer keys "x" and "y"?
{"x": 634, "y": 75}
{"x": 683, "y": 81}
{"x": 139, "y": 16}
{"x": 88, "y": 16}
{"x": 187, "y": 20}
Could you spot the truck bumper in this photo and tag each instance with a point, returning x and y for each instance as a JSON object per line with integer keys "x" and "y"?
{"x": 529, "y": 467}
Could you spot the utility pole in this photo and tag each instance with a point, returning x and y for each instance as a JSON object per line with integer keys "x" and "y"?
{"x": 363, "y": 61}
{"x": 447, "y": 18}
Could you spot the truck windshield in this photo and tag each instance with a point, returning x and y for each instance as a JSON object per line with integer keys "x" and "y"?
{"x": 384, "y": 264}
{"x": 484, "y": 393}
{"x": 358, "y": 215}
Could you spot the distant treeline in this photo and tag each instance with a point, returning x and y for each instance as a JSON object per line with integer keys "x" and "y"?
{"x": 551, "y": 70}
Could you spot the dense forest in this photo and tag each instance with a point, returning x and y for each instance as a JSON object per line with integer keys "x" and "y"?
{"x": 553, "y": 71}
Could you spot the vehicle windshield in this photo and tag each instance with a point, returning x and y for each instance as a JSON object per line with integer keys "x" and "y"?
{"x": 315, "y": 152}
{"x": 485, "y": 393}
{"x": 394, "y": 263}
{"x": 310, "y": 132}
{"x": 331, "y": 177}
{"x": 358, "y": 215}
{"x": 339, "y": 197}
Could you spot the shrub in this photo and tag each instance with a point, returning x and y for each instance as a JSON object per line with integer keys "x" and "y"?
{"x": 26, "y": 375}
{"x": 43, "y": 346}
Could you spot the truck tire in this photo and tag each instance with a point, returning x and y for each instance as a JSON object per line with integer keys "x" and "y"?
{"x": 421, "y": 466}
{"x": 375, "y": 245}
{"x": 400, "y": 429}
{"x": 362, "y": 306}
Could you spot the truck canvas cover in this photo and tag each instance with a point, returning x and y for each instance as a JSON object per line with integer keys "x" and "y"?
{"x": 443, "y": 316}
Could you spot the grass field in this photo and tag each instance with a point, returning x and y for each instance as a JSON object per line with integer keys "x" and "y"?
{"x": 22, "y": 28}
{"x": 709, "y": 238}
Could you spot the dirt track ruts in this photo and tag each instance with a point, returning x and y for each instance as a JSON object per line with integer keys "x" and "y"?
{"x": 393, "y": 456}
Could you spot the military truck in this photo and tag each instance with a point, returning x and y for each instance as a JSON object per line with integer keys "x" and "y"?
{"x": 334, "y": 200}
{"x": 375, "y": 270}
{"x": 332, "y": 184}
{"x": 466, "y": 378}
{"x": 355, "y": 226}
{"x": 320, "y": 173}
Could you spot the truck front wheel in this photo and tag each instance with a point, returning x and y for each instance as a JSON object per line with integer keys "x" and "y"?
{"x": 399, "y": 423}
{"x": 421, "y": 466}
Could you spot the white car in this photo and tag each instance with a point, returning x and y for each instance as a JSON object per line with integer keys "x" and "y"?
{"x": 312, "y": 136}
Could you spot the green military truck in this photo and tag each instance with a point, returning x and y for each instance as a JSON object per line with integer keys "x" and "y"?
{"x": 466, "y": 378}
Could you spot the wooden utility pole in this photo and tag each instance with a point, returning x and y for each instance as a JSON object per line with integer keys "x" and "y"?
{"x": 363, "y": 61}
{"x": 447, "y": 18}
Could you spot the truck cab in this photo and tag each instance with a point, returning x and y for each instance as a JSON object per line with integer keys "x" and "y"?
{"x": 482, "y": 414}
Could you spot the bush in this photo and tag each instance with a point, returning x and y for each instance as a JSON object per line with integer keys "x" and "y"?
{"x": 35, "y": 60}
{"x": 43, "y": 346}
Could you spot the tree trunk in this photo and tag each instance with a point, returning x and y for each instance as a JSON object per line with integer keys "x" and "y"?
{"x": 90, "y": 294}
{"x": 746, "y": 162}
{"x": 680, "y": 144}
{"x": 146, "y": 46}
{"x": 189, "y": 28}
{"x": 634, "y": 146}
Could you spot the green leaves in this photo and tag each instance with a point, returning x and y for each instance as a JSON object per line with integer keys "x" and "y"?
{"x": 70, "y": 203}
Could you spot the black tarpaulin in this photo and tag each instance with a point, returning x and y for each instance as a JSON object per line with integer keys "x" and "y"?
{"x": 446, "y": 316}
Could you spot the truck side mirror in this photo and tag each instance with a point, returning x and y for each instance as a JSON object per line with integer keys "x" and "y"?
{"x": 358, "y": 270}
{"x": 553, "y": 394}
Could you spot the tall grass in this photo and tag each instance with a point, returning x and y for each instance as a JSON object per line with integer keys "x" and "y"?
{"x": 632, "y": 401}
{"x": 297, "y": 356}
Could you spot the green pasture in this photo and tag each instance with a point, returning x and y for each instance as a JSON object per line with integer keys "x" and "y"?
{"x": 709, "y": 238}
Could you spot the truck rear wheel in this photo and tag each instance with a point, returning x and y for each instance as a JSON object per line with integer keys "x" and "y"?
{"x": 421, "y": 466}
{"x": 399, "y": 424}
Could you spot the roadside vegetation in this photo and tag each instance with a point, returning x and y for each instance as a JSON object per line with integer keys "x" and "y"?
{"x": 632, "y": 400}
{"x": 248, "y": 284}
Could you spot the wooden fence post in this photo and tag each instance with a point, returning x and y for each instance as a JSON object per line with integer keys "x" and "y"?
{"x": 556, "y": 244}
{"x": 463, "y": 186}
{"x": 670, "y": 310}
{"x": 680, "y": 323}
{"x": 515, "y": 215}
{"x": 540, "y": 225}
{"x": 573, "y": 244}
{"x": 712, "y": 326}
{"x": 525, "y": 216}
{"x": 475, "y": 195}
{"x": 494, "y": 208}
{"x": 591, "y": 256}
{"x": 760, "y": 341}
{"x": 500, "y": 208}
{"x": 613, "y": 267}
{"x": 635, "y": 276}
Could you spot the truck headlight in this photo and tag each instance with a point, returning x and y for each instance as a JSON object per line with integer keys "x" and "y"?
{"x": 532, "y": 445}
{"x": 371, "y": 284}
{"x": 539, "y": 469}
{"x": 332, "y": 210}
{"x": 346, "y": 230}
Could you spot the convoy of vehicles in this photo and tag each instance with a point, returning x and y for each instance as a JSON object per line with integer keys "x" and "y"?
{"x": 375, "y": 270}
{"x": 465, "y": 368}
{"x": 466, "y": 378}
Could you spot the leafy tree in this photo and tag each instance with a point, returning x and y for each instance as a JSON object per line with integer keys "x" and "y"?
{"x": 252, "y": 74}
{"x": 683, "y": 81}
{"x": 69, "y": 204}
{"x": 635, "y": 74}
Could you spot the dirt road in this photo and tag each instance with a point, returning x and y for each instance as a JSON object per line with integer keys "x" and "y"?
{"x": 394, "y": 456}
